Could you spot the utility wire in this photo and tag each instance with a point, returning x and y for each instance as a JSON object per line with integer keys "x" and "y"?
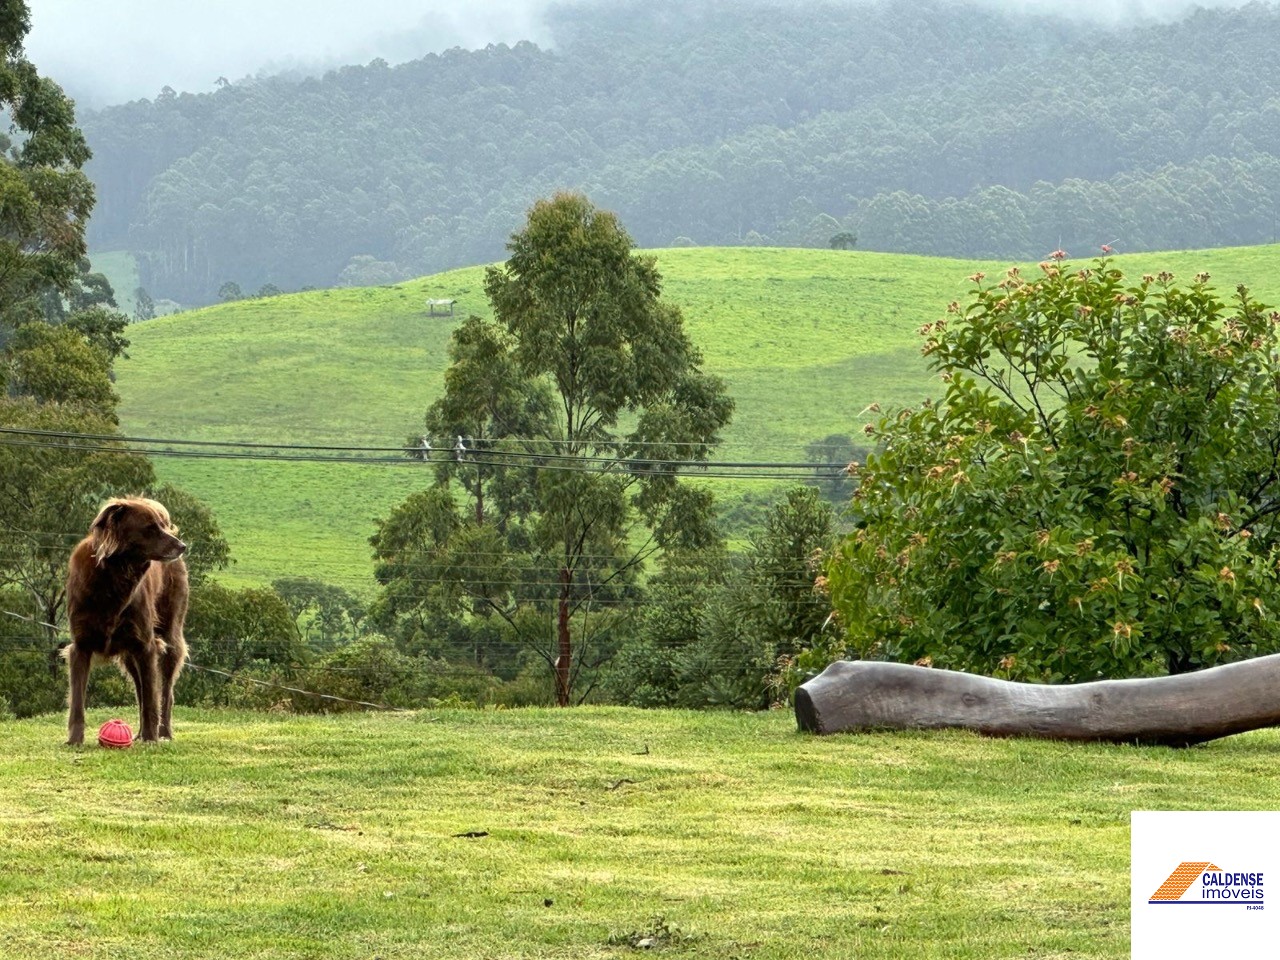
{"x": 702, "y": 473}
{"x": 445, "y": 446}
{"x": 104, "y": 443}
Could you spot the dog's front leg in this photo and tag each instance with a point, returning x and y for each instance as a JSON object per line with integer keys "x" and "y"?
{"x": 148, "y": 686}
{"x": 78, "y": 661}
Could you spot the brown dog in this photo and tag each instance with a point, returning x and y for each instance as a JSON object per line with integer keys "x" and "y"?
{"x": 127, "y": 600}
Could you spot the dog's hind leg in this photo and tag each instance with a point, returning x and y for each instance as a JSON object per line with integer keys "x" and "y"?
{"x": 171, "y": 661}
{"x": 78, "y": 661}
{"x": 172, "y": 613}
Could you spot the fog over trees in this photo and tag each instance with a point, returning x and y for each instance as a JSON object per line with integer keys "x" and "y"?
{"x": 188, "y": 46}
{"x": 949, "y": 129}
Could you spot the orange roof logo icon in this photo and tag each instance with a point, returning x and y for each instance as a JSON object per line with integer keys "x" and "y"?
{"x": 1181, "y": 879}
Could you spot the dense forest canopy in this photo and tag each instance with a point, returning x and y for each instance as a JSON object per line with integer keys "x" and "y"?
{"x": 939, "y": 128}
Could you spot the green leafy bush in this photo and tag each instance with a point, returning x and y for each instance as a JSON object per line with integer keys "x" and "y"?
{"x": 1094, "y": 496}
{"x": 720, "y": 631}
{"x": 372, "y": 669}
{"x": 32, "y": 676}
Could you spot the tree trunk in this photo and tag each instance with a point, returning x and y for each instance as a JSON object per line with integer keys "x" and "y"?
{"x": 1172, "y": 711}
{"x": 565, "y": 651}
{"x": 51, "y": 610}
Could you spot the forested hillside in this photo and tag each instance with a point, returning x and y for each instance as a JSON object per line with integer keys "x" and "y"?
{"x": 939, "y": 128}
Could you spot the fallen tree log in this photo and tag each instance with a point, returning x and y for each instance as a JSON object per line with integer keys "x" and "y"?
{"x": 1174, "y": 711}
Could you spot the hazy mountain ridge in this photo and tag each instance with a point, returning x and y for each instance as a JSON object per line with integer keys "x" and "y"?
{"x": 944, "y": 129}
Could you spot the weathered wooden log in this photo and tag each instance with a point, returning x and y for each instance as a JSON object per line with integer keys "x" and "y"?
{"x": 1174, "y": 711}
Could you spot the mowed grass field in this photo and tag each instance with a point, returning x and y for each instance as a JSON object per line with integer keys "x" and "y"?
{"x": 567, "y": 834}
{"x": 805, "y": 339}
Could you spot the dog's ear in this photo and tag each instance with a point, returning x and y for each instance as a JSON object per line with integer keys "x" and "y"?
{"x": 105, "y": 530}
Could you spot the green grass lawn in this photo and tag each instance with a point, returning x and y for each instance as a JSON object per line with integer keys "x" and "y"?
{"x": 805, "y": 339}
{"x": 275, "y": 836}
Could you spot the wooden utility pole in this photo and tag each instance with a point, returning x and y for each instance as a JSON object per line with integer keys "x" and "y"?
{"x": 564, "y": 660}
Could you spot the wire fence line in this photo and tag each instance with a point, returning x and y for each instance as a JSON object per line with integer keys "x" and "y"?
{"x": 529, "y": 576}
{"x": 477, "y": 648}
{"x": 552, "y": 560}
{"x": 309, "y": 693}
{"x": 437, "y": 667}
{"x": 509, "y": 570}
{"x": 42, "y": 623}
{"x": 10, "y": 641}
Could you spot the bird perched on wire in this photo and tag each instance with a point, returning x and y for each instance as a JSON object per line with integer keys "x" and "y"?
{"x": 460, "y": 450}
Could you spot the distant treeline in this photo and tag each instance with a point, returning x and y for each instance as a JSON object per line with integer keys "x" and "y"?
{"x": 934, "y": 128}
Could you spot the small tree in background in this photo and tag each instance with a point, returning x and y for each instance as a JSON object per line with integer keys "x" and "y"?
{"x": 832, "y": 457}
{"x": 327, "y": 615}
{"x": 144, "y": 305}
{"x": 591, "y": 394}
{"x": 725, "y": 631}
{"x": 244, "y": 633}
{"x": 1095, "y": 496}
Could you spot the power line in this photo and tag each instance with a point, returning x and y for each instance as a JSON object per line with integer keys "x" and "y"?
{"x": 703, "y": 473}
{"x": 444, "y": 446}
{"x": 366, "y": 456}
{"x": 116, "y": 438}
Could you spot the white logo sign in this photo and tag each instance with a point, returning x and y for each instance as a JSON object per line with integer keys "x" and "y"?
{"x": 1199, "y": 884}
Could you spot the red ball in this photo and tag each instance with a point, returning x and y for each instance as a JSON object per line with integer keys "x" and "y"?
{"x": 115, "y": 733}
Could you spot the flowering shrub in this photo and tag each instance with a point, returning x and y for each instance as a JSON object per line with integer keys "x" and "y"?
{"x": 1095, "y": 495}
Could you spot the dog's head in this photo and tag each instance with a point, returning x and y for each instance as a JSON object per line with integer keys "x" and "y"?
{"x": 136, "y": 527}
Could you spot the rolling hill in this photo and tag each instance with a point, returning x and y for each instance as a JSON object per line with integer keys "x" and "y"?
{"x": 805, "y": 339}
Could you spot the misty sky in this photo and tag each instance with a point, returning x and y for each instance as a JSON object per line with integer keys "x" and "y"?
{"x": 109, "y": 51}
{"x": 118, "y": 50}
